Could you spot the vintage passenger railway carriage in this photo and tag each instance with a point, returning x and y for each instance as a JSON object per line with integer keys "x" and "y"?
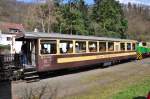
{"x": 58, "y": 51}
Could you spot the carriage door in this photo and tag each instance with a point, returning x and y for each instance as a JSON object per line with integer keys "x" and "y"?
{"x": 33, "y": 52}
{"x": 117, "y": 46}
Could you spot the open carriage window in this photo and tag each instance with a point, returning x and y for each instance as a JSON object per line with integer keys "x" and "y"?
{"x": 122, "y": 45}
{"x": 133, "y": 46}
{"x": 128, "y": 46}
{"x": 110, "y": 46}
{"x": 102, "y": 46}
{"x": 80, "y": 47}
{"x": 48, "y": 47}
{"x": 66, "y": 46}
{"x": 92, "y": 46}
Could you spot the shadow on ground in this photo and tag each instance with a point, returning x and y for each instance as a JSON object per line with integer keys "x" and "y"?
{"x": 5, "y": 90}
{"x": 140, "y": 97}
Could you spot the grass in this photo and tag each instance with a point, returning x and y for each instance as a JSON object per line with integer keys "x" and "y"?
{"x": 140, "y": 89}
{"x": 131, "y": 88}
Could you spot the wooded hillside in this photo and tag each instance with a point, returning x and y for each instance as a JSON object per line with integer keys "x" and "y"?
{"x": 103, "y": 18}
{"x": 138, "y": 17}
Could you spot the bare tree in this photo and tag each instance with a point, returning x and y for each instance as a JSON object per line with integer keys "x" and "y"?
{"x": 41, "y": 15}
{"x": 138, "y": 17}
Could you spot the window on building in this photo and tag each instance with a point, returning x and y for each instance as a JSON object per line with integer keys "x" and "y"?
{"x": 128, "y": 46}
{"x": 110, "y": 46}
{"x": 92, "y": 46}
{"x": 9, "y": 38}
{"x": 80, "y": 47}
{"x": 102, "y": 46}
{"x": 14, "y": 30}
{"x": 48, "y": 47}
{"x": 66, "y": 46}
{"x": 122, "y": 45}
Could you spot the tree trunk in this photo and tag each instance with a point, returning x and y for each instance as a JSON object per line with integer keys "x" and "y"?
{"x": 43, "y": 26}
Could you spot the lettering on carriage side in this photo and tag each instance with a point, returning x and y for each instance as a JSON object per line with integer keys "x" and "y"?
{"x": 85, "y": 58}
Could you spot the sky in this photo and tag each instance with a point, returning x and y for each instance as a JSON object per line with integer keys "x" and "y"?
{"x": 28, "y": 1}
{"x": 145, "y": 2}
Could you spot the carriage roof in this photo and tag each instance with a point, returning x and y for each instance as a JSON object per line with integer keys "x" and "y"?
{"x": 36, "y": 35}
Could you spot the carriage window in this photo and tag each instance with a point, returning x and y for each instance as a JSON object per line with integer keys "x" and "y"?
{"x": 128, "y": 46}
{"x": 102, "y": 46}
{"x": 122, "y": 45}
{"x": 66, "y": 46}
{"x": 48, "y": 47}
{"x": 92, "y": 46}
{"x": 117, "y": 47}
{"x": 133, "y": 46}
{"x": 110, "y": 46}
{"x": 80, "y": 47}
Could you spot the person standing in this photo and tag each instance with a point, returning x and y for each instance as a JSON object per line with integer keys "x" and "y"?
{"x": 24, "y": 54}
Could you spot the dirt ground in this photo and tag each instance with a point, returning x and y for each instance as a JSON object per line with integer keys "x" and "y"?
{"x": 82, "y": 82}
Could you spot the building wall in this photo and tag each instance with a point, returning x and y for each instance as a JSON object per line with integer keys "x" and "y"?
{"x": 7, "y": 39}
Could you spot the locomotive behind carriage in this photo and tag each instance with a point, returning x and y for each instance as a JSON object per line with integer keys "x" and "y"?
{"x": 50, "y": 52}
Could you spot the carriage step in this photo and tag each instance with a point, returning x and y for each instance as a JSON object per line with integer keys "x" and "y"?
{"x": 31, "y": 77}
{"x": 30, "y": 74}
{"x": 30, "y": 69}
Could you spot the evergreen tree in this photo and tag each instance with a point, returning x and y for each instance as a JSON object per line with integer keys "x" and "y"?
{"x": 85, "y": 15}
{"x": 72, "y": 18}
{"x": 108, "y": 16}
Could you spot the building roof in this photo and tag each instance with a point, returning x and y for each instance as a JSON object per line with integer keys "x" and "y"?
{"x": 6, "y": 26}
{"x": 35, "y": 35}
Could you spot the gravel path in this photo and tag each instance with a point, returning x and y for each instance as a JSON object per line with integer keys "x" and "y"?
{"x": 77, "y": 83}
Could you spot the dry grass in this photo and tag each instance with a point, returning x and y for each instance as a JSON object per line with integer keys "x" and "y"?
{"x": 43, "y": 92}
